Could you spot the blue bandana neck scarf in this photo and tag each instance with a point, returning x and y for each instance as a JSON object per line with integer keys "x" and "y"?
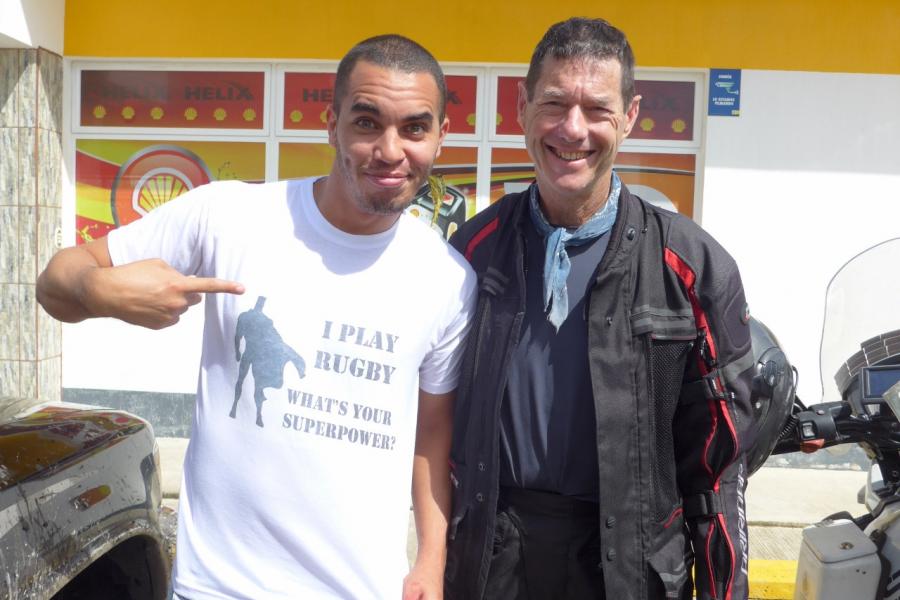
{"x": 556, "y": 259}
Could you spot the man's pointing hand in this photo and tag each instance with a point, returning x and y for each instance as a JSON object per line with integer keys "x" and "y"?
{"x": 149, "y": 293}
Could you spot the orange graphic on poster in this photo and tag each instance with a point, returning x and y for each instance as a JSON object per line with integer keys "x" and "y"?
{"x": 296, "y": 160}
{"x": 119, "y": 181}
{"x": 161, "y": 98}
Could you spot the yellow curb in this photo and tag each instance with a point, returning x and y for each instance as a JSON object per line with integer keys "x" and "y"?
{"x": 772, "y": 579}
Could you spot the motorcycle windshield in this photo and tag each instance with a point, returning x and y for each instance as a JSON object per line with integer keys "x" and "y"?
{"x": 862, "y": 309}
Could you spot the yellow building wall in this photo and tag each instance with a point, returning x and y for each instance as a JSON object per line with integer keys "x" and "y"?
{"x": 805, "y": 35}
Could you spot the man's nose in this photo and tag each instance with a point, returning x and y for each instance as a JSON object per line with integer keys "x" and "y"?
{"x": 574, "y": 125}
{"x": 389, "y": 147}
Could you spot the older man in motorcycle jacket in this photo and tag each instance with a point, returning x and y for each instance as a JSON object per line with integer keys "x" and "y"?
{"x": 603, "y": 412}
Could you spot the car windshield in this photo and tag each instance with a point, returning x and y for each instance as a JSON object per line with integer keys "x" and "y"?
{"x": 862, "y": 302}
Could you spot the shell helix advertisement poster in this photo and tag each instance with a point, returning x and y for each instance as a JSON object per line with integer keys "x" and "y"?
{"x": 183, "y": 99}
{"x": 119, "y": 181}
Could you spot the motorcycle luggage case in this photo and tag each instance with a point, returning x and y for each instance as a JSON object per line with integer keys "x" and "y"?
{"x": 837, "y": 561}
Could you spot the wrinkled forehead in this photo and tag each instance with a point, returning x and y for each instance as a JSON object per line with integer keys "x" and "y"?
{"x": 581, "y": 68}
{"x": 599, "y": 79}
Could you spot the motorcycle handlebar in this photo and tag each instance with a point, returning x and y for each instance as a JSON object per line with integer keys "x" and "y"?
{"x": 816, "y": 427}
{"x": 833, "y": 423}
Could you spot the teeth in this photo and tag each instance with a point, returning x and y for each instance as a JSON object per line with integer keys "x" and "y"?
{"x": 571, "y": 155}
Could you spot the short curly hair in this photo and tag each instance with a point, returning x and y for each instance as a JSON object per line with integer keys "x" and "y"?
{"x": 579, "y": 37}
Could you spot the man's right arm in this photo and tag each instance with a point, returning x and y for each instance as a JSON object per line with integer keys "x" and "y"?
{"x": 81, "y": 282}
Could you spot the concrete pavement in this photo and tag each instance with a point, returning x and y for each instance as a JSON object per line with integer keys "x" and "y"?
{"x": 780, "y": 502}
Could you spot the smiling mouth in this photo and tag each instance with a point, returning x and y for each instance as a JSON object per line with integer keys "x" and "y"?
{"x": 387, "y": 179}
{"x": 570, "y": 156}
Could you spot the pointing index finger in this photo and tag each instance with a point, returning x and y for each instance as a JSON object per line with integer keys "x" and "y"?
{"x": 212, "y": 285}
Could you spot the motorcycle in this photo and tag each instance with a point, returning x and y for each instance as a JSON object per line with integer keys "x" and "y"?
{"x": 845, "y": 557}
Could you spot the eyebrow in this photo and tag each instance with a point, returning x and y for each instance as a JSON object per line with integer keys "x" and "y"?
{"x": 555, "y": 94}
{"x": 365, "y": 107}
{"x": 422, "y": 116}
{"x": 551, "y": 93}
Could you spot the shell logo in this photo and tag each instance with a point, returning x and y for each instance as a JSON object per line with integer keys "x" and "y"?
{"x": 249, "y": 114}
{"x": 647, "y": 124}
{"x": 296, "y": 116}
{"x": 158, "y": 187}
{"x": 678, "y": 125}
{"x": 99, "y": 111}
{"x": 470, "y": 119}
{"x": 499, "y": 119}
{"x": 153, "y": 176}
{"x": 219, "y": 114}
{"x": 190, "y": 113}
{"x": 156, "y": 113}
{"x": 323, "y": 116}
{"x": 127, "y": 113}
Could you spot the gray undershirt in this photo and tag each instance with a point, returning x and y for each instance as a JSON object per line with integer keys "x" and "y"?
{"x": 548, "y": 437}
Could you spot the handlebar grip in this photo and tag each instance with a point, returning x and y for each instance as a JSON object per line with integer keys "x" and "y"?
{"x": 817, "y": 427}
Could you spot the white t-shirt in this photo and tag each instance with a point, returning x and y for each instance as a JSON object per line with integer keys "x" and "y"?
{"x": 337, "y": 332}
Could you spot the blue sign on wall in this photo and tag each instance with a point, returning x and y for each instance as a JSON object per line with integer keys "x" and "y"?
{"x": 725, "y": 92}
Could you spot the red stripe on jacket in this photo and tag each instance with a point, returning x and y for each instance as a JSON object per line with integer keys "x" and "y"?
{"x": 479, "y": 237}
{"x": 688, "y": 279}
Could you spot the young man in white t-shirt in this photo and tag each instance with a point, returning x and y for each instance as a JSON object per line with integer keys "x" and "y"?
{"x": 333, "y": 332}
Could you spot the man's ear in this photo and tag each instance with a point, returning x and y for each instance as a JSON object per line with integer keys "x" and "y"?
{"x": 521, "y": 103}
{"x": 632, "y": 114}
{"x": 331, "y": 122}
{"x": 445, "y": 128}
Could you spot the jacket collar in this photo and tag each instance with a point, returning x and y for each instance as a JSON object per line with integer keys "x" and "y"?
{"x": 509, "y": 247}
{"x": 627, "y": 230}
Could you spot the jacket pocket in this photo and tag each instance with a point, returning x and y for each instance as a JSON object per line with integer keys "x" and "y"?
{"x": 672, "y": 563}
{"x": 505, "y": 570}
{"x": 454, "y": 543}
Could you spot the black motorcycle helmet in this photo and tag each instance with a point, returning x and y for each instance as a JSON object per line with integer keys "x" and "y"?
{"x": 772, "y": 393}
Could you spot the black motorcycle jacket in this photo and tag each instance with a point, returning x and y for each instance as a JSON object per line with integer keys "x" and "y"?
{"x": 670, "y": 363}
